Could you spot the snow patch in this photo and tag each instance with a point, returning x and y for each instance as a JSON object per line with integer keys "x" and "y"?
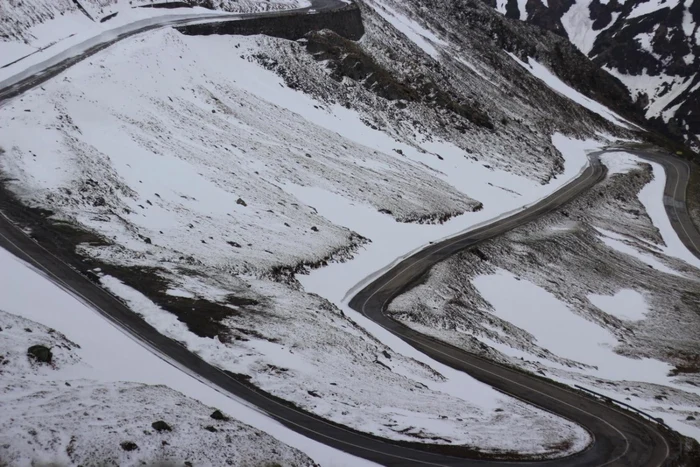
{"x": 420, "y": 36}
{"x": 551, "y": 80}
{"x": 557, "y": 328}
{"x": 626, "y": 304}
{"x": 651, "y": 6}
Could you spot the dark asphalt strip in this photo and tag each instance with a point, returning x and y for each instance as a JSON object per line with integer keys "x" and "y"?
{"x": 619, "y": 438}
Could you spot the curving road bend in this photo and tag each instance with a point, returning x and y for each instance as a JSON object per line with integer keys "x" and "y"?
{"x": 47, "y": 69}
{"x": 677, "y": 177}
{"x": 619, "y": 439}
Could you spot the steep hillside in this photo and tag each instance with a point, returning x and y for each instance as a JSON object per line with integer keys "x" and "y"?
{"x": 651, "y": 46}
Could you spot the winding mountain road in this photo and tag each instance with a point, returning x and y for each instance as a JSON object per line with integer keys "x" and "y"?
{"x": 619, "y": 438}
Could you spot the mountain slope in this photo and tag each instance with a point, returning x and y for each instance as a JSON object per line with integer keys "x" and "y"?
{"x": 192, "y": 177}
{"x": 651, "y": 46}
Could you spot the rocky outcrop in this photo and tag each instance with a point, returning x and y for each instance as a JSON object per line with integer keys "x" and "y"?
{"x": 346, "y": 22}
{"x": 653, "y": 48}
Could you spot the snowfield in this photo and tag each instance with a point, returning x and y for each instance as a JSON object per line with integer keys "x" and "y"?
{"x": 197, "y": 174}
{"x": 600, "y": 294}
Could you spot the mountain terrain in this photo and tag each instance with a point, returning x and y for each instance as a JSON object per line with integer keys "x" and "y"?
{"x": 231, "y": 190}
{"x": 652, "y": 47}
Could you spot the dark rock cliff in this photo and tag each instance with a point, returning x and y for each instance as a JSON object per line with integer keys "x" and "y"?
{"x": 346, "y": 22}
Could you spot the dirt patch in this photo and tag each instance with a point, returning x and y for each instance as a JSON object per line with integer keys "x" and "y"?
{"x": 203, "y": 317}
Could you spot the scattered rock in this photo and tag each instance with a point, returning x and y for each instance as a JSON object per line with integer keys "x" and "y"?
{"x": 314, "y": 228}
{"x": 129, "y": 446}
{"x": 313, "y": 393}
{"x": 241, "y": 202}
{"x": 690, "y": 418}
{"x": 160, "y": 425}
{"x": 210, "y": 428}
{"x": 234, "y": 244}
{"x": 40, "y": 353}
{"x": 386, "y": 354}
{"x": 217, "y": 415}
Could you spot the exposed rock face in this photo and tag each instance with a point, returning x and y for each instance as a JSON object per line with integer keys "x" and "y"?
{"x": 346, "y": 22}
{"x": 653, "y": 48}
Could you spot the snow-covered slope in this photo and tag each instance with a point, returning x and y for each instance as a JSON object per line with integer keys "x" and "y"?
{"x": 651, "y": 46}
{"x": 75, "y": 410}
{"x": 199, "y": 172}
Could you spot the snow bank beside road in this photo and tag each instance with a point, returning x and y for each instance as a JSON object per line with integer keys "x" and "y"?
{"x": 652, "y": 196}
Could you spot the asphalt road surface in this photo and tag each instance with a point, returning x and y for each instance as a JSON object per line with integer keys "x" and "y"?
{"x": 677, "y": 176}
{"x": 619, "y": 438}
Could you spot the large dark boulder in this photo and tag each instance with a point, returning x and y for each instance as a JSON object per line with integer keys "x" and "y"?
{"x": 161, "y": 426}
{"x": 40, "y": 353}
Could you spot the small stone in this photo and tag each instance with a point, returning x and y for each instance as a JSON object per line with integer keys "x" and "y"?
{"x": 217, "y": 415}
{"x": 129, "y": 446}
{"x": 314, "y": 228}
{"x": 241, "y": 202}
{"x": 210, "y": 428}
